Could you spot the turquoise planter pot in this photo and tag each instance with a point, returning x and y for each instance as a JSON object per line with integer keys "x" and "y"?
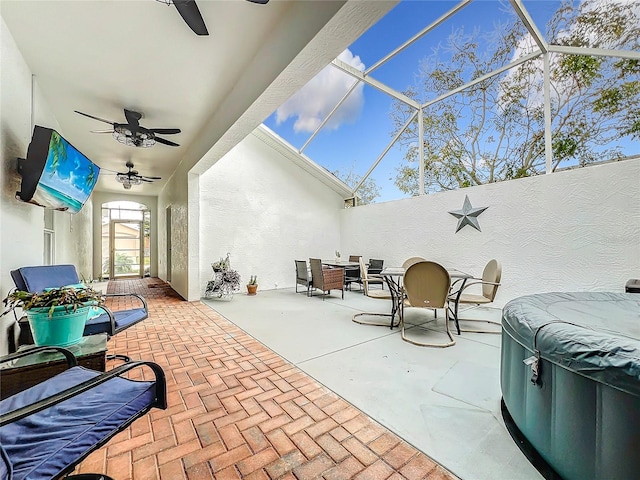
{"x": 61, "y": 329}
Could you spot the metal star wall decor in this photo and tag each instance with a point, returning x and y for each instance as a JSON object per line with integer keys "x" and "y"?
{"x": 468, "y": 215}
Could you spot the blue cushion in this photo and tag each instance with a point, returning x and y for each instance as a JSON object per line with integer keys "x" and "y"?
{"x": 5, "y": 464}
{"x": 124, "y": 319}
{"x": 36, "y": 279}
{"x": 48, "y": 442}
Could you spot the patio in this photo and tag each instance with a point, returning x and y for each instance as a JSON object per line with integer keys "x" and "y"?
{"x": 275, "y": 386}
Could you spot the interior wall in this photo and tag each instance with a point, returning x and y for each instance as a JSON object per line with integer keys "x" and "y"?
{"x": 22, "y": 225}
{"x": 100, "y": 198}
{"x": 266, "y": 212}
{"x": 175, "y": 195}
{"x": 74, "y": 239}
{"x": 574, "y": 230}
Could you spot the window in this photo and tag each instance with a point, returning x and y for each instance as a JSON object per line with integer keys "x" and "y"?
{"x": 49, "y": 238}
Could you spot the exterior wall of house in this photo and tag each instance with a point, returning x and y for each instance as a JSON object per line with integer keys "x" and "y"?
{"x": 21, "y": 224}
{"x": 174, "y": 196}
{"x": 267, "y": 212}
{"x": 568, "y": 231}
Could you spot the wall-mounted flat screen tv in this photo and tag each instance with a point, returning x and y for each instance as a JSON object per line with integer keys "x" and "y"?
{"x": 55, "y": 174}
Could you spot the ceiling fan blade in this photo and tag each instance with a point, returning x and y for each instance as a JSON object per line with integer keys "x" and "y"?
{"x": 95, "y": 118}
{"x": 164, "y": 131}
{"x": 166, "y": 142}
{"x": 144, "y": 177}
{"x": 133, "y": 118}
{"x": 190, "y": 13}
{"x": 101, "y": 131}
{"x": 261, "y": 2}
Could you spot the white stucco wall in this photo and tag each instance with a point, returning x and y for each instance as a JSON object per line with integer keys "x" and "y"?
{"x": 74, "y": 239}
{"x": 175, "y": 195}
{"x": 571, "y": 230}
{"x": 267, "y": 212}
{"x": 21, "y": 224}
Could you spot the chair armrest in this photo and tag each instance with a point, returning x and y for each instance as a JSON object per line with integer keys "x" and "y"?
{"x": 139, "y": 297}
{"x": 70, "y": 357}
{"x": 463, "y": 280}
{"x": 160, "y": 390}
{"x": 458, "y": 292}
{"x": 112, "y": 320}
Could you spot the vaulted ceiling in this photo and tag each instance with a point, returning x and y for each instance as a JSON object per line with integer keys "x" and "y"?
{"x": 103, "y": 56}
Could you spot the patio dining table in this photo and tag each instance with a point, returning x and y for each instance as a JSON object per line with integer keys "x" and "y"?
{"x": 340, "y": 263}
{"x": 393, "y": 278}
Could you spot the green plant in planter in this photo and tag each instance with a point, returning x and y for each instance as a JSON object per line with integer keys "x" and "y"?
{"x": 56, "y": 316}
{"x": 252, "y": 286}
{"x": 71, "y": 298}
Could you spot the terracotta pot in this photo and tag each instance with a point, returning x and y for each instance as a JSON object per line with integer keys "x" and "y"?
{"x": 252, "y": 289}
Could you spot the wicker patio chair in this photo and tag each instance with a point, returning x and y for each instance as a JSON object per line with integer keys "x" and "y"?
{"x": 326, "y": 279}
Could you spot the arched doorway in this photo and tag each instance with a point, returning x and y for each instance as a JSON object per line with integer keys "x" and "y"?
{"x": 125, "y": 240}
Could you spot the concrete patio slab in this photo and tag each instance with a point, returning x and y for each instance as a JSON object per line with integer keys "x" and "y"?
{"x": 445, "y": 402}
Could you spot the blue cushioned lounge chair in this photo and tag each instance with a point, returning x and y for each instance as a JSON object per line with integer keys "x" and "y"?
{"x": 38, "y": 278}
{"x": 48, "y": 429}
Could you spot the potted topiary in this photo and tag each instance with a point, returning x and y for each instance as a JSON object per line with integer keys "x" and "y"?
{"x": 56, "y": 316}
{"x": 252, "y": 286}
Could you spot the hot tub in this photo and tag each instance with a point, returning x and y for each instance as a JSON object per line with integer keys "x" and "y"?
{"x": 570, "y": 377}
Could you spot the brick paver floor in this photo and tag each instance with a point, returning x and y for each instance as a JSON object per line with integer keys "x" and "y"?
{"x": 238, "y": 410}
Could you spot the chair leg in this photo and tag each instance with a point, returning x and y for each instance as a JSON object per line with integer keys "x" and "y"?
{"x": 493, "y": 322}
{"x": 377, "y": 324}
{"x": 118, "y": 356}
{"x": 421, "y": 344}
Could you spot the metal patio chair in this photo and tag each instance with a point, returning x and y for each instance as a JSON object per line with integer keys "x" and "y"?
{"x": 426, "y": 285}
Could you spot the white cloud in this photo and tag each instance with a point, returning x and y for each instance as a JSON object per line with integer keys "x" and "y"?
{"x": 313, "y": 102}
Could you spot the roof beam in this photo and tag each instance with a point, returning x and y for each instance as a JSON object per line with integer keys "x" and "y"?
{"x": 384, "y": 152}
{"x": 482, "y": 78}
{"x": 354, "y": 72}
{"x": 417, "y": 36}
{"x": 530, "y": 25}
{"x": 597, "y": 52}
{"x": 326, "y": 119}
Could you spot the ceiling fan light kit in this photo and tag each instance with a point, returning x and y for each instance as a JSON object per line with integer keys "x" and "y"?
{"x": 125, "y": 137}
{"x": 127, "y": 181}
{"x": 132, "y": 177}
{"x": 132, "y": 133}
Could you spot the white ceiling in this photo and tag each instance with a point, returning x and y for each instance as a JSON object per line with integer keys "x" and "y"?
{"x": 102, "y": 56}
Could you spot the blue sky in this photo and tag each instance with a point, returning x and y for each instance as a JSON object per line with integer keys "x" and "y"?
{"x": 360, "y": 131}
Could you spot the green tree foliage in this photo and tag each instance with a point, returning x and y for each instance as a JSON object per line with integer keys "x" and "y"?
{"x": 494, "y": 130}
{"x": 367, "y": 192}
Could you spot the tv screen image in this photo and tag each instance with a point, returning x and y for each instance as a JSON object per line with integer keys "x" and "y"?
{"x": 55, "y": 174}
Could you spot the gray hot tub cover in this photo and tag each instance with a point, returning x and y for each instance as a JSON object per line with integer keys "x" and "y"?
{"x": 594, "y": 334}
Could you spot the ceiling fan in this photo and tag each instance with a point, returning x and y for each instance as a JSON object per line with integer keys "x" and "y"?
{"x": 132, "y": 177}
{"x": 134, "y": 134}
{"x": 189, "y": 11}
